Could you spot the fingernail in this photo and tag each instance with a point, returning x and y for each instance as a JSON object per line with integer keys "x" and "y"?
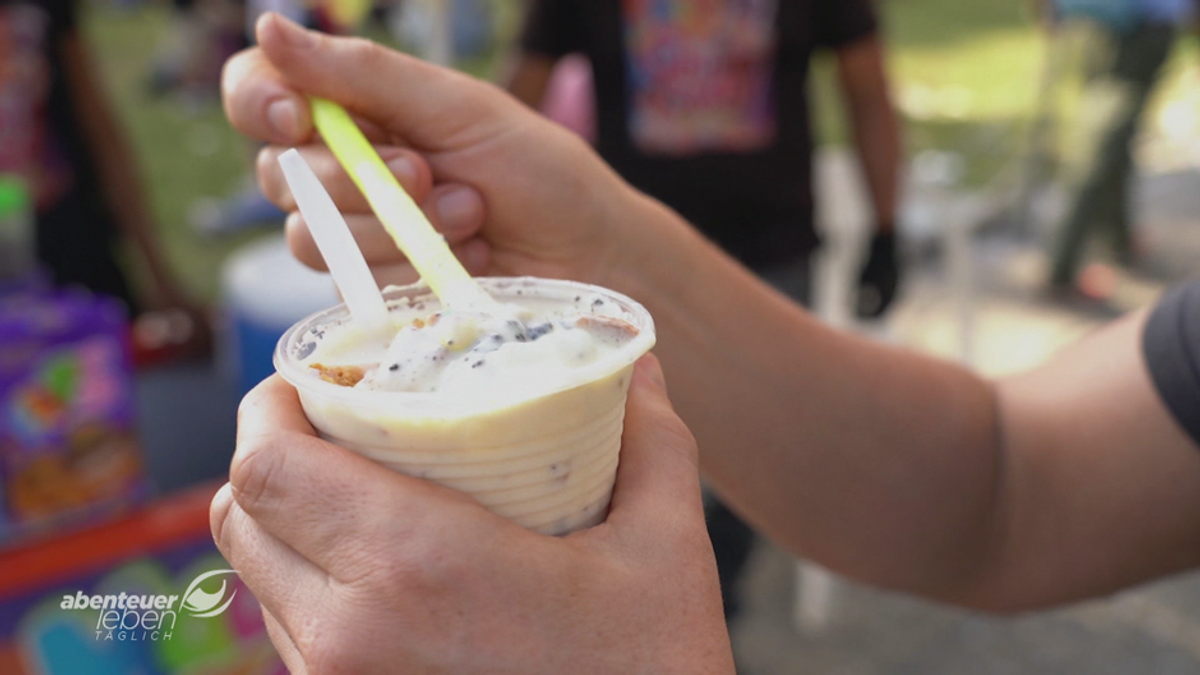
{"x": 474, "y": 255}
{"x": 221, "y": 503}
{"x": 456, "y": 206}
{"x": 404, "y": 169}
{"x": 293, "y": 34}
{"x": 284, "y": 117}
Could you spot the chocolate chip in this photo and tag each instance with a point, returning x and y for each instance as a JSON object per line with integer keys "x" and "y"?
{"x": 539, "y": 330}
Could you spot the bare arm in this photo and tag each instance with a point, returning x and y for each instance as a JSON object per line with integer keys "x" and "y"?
{"x": 864, "y": 85}
{"x": 122, "y": 186}
{"x": 527, "y": 76}
{"x": 1100, "y": 488}
{"x": 877, "y": 462}
{"x": 912, "y": 473}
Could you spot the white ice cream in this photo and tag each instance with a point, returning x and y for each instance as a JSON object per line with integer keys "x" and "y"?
{"x": 522, "y": 411}
{"x": 457, "y": 353}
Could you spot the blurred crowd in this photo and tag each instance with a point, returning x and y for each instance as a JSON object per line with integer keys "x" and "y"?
{"x": 619, "y": 81}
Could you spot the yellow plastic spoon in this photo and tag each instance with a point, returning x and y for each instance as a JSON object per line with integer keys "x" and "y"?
{"x": 401, "y": 217}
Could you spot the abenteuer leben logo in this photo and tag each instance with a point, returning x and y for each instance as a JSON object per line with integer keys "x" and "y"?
{"x": 129, "y": 617}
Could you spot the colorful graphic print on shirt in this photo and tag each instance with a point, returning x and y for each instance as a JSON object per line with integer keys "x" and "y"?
{"x": 700, "y": 75}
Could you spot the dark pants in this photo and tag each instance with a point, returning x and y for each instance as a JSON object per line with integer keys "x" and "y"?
{"x": 732, "y": 539}
{"x": 1121, "y": 69}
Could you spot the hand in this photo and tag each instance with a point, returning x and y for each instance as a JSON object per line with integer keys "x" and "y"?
{"x": 363, "y": 570}
{"x": 461, "y": 143}
{"x": 880, "y": 277}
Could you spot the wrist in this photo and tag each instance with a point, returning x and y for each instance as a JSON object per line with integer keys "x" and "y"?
{"x": 655, "y": 253}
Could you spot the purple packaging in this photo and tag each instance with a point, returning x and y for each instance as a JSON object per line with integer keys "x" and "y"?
{"x": 68, "y": 452}
{"x": 36, "y": 281}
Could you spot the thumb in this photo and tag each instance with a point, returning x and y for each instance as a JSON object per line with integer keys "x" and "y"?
{"x": 431, "y": 107}
{"x": 658, "y": 479}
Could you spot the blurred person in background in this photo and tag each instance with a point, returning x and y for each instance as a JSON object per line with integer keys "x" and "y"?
{"x": 217, "y": 29}
{"x": 1126, "y": 43}
{"x": 704, "y": 106}
{"x": 58, "y": 132}
{"x": 200, "y": 36}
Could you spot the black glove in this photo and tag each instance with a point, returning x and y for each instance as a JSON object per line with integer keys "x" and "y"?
{"x": 880, "y": 277}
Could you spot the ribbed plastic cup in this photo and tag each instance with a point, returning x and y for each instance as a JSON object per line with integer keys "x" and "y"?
{"x": 543, "y": 454}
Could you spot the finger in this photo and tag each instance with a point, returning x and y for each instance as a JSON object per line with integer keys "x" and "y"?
{"x": 374, "y": 133}
{"x": 332, "y": 506}
{"x": 455, "y": 210}
{"x": 261, "y": 105}
{"x": 433, "y": 108}
{"x": 475, "y": 255}
{"x": 391, "y": 269}
{"x": 376, "y": 245}
{"x": 283, "y": 582}
{"x": 258, "y": 103}
{"x": 659, "y": 471}
{"x": 284, "y": 645}
{"x": 409, "y": 168}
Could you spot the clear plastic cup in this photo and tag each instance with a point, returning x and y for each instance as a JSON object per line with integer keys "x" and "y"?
{"x": 543, "y": 454}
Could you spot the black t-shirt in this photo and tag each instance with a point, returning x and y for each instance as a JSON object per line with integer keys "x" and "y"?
{"x": 41, "y": 140}
{"x": 704, "y": 105}
{"x": 1171, "y": 346}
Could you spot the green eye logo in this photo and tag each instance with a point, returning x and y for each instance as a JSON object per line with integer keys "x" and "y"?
{"x": 201, "y": 603}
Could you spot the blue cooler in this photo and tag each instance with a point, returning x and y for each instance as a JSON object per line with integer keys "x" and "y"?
{"x": 266, "y": 290}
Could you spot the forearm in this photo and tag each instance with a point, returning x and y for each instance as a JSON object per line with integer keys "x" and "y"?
{"x": 874, "y": 124}
{"x": 876, "y": 462}
{"x": 1064, "y": 483}
{"x": 877, "y": 142}
{"x": 1102, "y": 485}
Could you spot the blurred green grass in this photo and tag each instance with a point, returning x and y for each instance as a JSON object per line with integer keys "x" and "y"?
{"x": 187, "y": 152}
{"x": 965, "y": 72}
{"x": 967, "y": 76}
